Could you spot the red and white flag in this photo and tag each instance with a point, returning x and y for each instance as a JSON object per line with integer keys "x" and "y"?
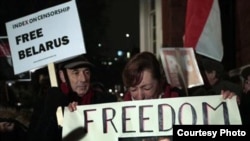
{"x": 203, "y": 28}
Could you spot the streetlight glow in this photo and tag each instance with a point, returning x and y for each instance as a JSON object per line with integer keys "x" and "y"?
{"x": 127, "y": 35}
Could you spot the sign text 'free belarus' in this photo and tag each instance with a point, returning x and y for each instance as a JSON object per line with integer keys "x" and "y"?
{"x": 44, "y": 37}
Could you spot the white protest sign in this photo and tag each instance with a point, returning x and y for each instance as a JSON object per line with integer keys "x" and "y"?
{"x": 111, "y": 121}
{"x": 44, "y": 37}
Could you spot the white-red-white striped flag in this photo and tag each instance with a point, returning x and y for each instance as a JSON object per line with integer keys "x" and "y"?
{"x": 203, "y": 28}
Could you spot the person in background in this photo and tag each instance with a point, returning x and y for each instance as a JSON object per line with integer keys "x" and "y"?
{"x": 75, "y": 88}
{"x": 98, "y": 86}
{"x": 41, "y": 84}
{"x": 245, "y": 97}
{"x": 215, "y": 83}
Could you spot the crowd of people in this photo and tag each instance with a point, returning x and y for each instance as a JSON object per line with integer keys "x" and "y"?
{"x": 143, "y": 77}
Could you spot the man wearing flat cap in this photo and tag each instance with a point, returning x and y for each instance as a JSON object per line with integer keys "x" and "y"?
{"x": 75, "y": 75}
{"x": 75, "y": 89}
{"x": 75, "y": 79}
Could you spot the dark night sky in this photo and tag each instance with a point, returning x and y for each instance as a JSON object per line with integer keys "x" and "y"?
{"x": 124, "y": 19}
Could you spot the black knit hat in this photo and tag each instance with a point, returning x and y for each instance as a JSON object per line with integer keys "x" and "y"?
{"x": 245, "y": 72}
{"x": 210, "y": 65}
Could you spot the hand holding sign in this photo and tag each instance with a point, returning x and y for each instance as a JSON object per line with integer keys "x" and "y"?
{"x": 135, "y": 118}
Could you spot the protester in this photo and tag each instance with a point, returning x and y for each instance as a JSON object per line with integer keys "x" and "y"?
{"x": 245, "y": 74}
{"x": 245, "y": 97}
{"x": 213, "y": 74}
{"x": 75, "y": 89}
{"x": 144, "y": 79}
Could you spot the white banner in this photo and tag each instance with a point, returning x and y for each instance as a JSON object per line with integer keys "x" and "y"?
{"x": 112, "y": 121}
{"x": 45, "y": 37}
